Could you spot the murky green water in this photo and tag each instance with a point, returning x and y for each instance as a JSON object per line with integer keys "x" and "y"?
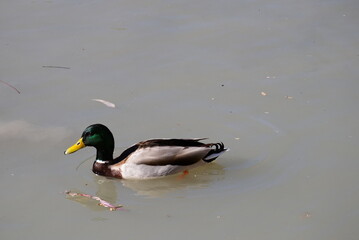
{"x": 276, "y": 81}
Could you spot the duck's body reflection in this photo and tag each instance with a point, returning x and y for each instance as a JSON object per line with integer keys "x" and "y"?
{"x": 198, "y": 178}
{"x": 107, "y": 188}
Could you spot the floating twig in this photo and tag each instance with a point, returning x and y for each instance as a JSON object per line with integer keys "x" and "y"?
{"x": 102, "y": 202}
{"x": 56, "y": 67}
{"x": 107, "y": 103}
{"x": 8, "y": 84}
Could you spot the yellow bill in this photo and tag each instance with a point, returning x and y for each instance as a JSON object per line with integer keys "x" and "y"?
{"x": 77, "y": 146}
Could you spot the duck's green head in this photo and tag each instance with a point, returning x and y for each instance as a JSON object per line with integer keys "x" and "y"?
{"x": 98, "y": 136}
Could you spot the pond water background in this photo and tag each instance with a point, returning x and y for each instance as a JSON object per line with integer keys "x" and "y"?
{"x": 276, "y": 81}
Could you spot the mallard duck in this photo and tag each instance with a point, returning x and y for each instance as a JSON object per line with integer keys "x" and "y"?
{"x": 147, "y": 159}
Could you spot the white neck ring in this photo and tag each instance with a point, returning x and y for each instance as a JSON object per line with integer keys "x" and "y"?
{"x": 101, "y": 161}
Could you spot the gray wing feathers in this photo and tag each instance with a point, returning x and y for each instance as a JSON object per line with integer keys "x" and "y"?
{"x": 168, "y": 155}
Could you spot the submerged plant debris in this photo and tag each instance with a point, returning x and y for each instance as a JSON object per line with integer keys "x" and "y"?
{"x": 9, "y": 85}
{"x": 102, "y": 202}
{"x": 107, "y": 103}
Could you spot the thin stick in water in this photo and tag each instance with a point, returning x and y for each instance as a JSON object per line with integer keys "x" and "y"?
{"x": 56, "y": 67}
{"x": 8, "y": 84}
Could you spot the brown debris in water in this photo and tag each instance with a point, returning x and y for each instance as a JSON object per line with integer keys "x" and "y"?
{"x": 102, "y": 202}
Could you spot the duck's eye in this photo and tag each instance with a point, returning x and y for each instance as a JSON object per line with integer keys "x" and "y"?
{"x": 88, "y": 134}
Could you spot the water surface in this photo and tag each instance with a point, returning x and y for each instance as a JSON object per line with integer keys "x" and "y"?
{"x": 276, "y": 81}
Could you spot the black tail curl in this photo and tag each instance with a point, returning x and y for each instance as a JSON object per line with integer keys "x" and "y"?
{"x": 219, "y": 147}
{"x": 214, "y": 152}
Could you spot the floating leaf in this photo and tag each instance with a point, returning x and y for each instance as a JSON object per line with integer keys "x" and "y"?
{"x": 107, "y": 103}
